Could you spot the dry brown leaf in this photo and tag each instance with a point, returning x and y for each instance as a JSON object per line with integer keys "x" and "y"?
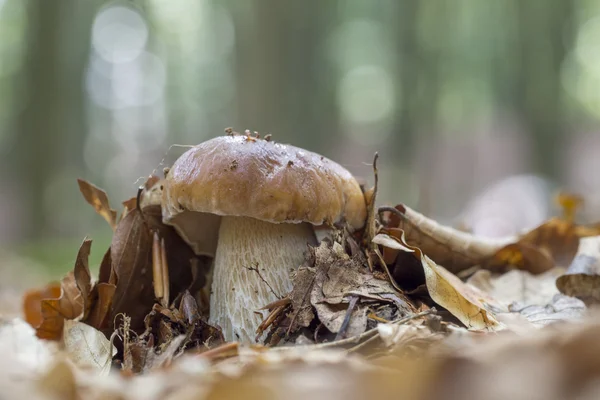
{"x": 131, "y": 263}
{"x": 105, "y": 271}
{"x": 98, "y": 199}
{"x": 582, "y": 279}
{"x": 83, "y": 277}
{"x": 47, "y": 314}
{"x": 553, "y": 243}
{"x": 103, "y": 295}
{"x": 303, "y": 314}
{"x": 338, "y": 279}
{"x": 32, "y": 302}
{"x": 128, "y": 205}
{"x": 465, "y": 302}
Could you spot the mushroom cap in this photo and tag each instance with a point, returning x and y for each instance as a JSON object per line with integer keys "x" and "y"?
{"x": 250, "y": 177}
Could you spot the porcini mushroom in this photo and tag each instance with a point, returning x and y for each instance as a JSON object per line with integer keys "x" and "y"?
{"x": 265, "y": 198}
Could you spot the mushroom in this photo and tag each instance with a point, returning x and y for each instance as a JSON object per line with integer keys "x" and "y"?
{"x": 253, "y": 204}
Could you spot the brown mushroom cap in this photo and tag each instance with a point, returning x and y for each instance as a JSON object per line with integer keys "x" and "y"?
{"x": 277, "y": 183}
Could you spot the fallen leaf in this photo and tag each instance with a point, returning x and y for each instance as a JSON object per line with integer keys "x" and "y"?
{"x": 553, "y": 243}
{"x": 83, "y": 277}
{"x": 560, "y": 309}
{"x": 87, "y": 347}
{"x": 465, "y": 302}
{"x": 582, "y": 278}
{"x": 98, "y": 199}
{"x": 47, "y": 309}
{"x": 131, "y": 262}
{"x": 518, "y": 286}
{"x": 97, "y": 318}
{"x": 106, "y": 273}
{"x": 302, "y": 282}
{"x": 32, "y": 302}
{"x": 454, "y": 249}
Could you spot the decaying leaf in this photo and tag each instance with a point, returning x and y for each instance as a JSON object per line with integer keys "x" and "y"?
{"x": 465, "y": 302}
{"x": 582, "y": 279}
{"x": 88, "y": 347}
{"x": 98, "y": 199}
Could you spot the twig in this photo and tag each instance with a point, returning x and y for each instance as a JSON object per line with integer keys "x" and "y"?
{"x": 370, "y": 229}
{"x": 255, "y": 269}
{"x": 342, "y": 332}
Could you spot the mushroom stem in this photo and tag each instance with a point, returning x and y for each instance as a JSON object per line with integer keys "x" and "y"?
{"x": 252, "y": 268}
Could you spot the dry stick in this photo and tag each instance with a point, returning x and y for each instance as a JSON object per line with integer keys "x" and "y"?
{"x": 370, "y": 228}
{"x": 341, "y": 333}
{"x": 255, "y": 269}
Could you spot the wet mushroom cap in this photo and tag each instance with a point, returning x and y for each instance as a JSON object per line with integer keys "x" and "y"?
{"x": 248, "y": 177}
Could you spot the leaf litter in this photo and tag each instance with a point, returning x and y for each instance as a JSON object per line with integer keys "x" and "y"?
{"x": 404, "y": 306}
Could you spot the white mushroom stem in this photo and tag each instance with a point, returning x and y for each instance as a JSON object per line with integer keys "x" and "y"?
{"x": 238, "y": 290}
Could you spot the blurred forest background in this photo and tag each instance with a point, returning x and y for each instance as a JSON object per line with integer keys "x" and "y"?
{"x": 454, "y": 95}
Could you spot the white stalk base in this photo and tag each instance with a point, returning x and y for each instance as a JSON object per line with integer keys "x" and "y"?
{"x": 237, "y": 289}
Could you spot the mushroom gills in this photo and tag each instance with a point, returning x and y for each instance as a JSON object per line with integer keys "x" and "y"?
{"x": 238, "y": 289}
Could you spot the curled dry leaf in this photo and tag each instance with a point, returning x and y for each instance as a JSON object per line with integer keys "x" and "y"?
{"x": 47, "y": 309}
{"x": 454, "y": 249}
{"x": 98, "y": 199}
{"x": 582, "y": 279}
{"x": 553, "y": 243}
{"x": 465, "y": 302}
{"x": 87, "y": 347}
